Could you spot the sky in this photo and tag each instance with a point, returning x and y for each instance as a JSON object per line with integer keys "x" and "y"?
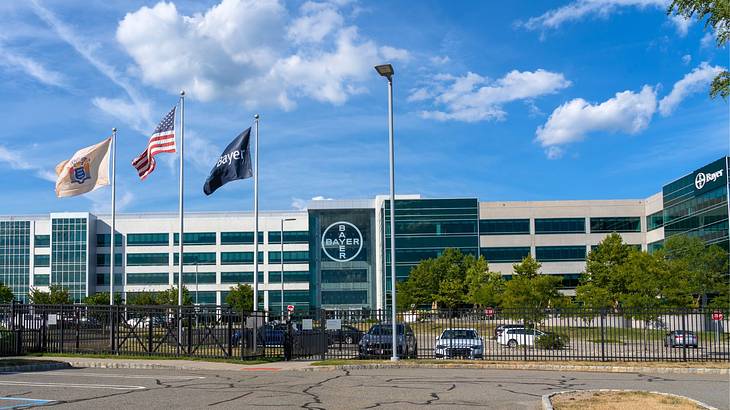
{"x": 573, "y": 99}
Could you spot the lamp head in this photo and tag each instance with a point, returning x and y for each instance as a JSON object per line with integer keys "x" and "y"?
{"x": 385, "y": 70}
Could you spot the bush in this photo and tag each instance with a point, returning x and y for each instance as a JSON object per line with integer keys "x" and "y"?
{"x": 552, "y": 341}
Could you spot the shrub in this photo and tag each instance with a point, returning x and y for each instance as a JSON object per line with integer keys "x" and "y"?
{"x": 552, "y": 341}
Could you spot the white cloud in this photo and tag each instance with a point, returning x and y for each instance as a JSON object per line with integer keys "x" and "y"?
{"x": 301, "y": 204}
{"x": 707, "y": 40}
{"x": 31, "y": 67}
{"x": 472, "y": 98}
{"x": 439, "y": 60}
{"x": 394, "y": 54}
{"x": 681, "y": 24}
{"x": 419, "y": 94}
{"x": 579, "y": 9}
{"x": 101, "y": 201}
{"x": 554, "y": 152}
{"x": 14, "y": 159}
{"x": 693, "y": 82}
{"x": 127, "y": 112}
{"x": 686, "y": 59}
{"x": 254, "y": 51}
{"x": 627, "y": 112}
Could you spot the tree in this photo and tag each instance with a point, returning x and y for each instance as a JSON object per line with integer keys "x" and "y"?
{"x": 652, "y": 285}
{"x": 6, "y": 294}
{"x": 602, "y": 283}
{"x": 529, "y": 294}
{"x": 57, "y": 295}
{"x": 240, "y": 298}
{"x": 437, "y": 280}
{"x": 705, "y": 267}
{"x": 143, "y": 299}
{"x": 484, "y": 288}
{"x": 102, "y": 298}
{"x": 717, "y": 13}
{"x": 170, "y": 296}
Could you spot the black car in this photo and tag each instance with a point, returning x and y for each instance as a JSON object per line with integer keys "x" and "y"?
{"x": 346, "y": 335}
{"x": 378, "y": 342}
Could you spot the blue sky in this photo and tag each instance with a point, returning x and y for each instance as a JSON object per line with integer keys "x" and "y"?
{"x": 579, "y": 99}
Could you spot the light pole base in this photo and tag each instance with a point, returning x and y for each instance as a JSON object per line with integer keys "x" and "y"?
{"x": 394, "y": 358}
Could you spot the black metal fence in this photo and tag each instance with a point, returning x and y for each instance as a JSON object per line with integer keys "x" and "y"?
{"x": 491, "y": 334}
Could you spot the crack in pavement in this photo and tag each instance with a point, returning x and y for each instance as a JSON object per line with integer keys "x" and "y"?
{"x": 316, "y": 398}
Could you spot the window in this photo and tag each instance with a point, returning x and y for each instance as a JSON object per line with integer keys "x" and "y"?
{"x": 147, "y": 259}
{"x": 504, "y": 227}
{"x": 102, "y": 259}
{"x": 347, "y": 297}
{"x": 42, "y": 241}
{"x": 655, "y": 220}
{"x": 155, "y": 278}
{"x": 239, "y": 238}
{"x": 289, "y": 237}
{"x": 345, "y": 276}
{"x": 196, "y": 238}
{"x": 42, "y": 261}
{"x": 189, "y": 278}
{"x": 616, "y": 224}
{"x": 560, "y": 225}
{"x": 560, "y": 253}
{"x": 240, "y": 277}
{"x": 654, "y": 246}
{"x": 41, "y": 280}
{"x": 148, "y": 239}
{"x": 505, "y": 254}
{"x": 240, "y": 258}
{"x": 203, "y": 298}
{"x": 289, "y": 257}
{"x": 104, "y": 240}
{"x": 103, "y": 279}
{"x": 289, "y": 276}
{"x": 191, "y": 258}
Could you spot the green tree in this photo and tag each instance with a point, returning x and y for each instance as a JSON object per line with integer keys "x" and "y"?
{"x": 602, "y": 284}
{"x": 170, "y": 296}
{"x": 652, "y": 284}
{"x": 240, "y": 298}
{"x": 717, "y": 15}
{"x": 437, "y": 280}
{"x": 143, "y": 299}
{"x": 57, "y": 295}
{"x": 529, "y": 294}
{"x": 6, "y": 294}
{"x": 484, "y": 288}
{"x": 705, "y": 268}
{"x": 102, "y": 298}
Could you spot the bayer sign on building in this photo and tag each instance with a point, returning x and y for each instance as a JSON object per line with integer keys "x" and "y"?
{"x": 343, "y": 262}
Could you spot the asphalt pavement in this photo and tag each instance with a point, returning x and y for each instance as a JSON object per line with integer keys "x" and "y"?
{"x": 259, "y": 387}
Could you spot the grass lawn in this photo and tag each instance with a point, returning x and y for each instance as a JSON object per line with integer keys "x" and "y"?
{"x": 620, "y": 400}
{"x": 709, "y": 365}
{"x": 142, "y": 357}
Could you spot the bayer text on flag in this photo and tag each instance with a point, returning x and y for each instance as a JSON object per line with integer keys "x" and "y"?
{"x": 162, "y": 140}
{"x": 87, "y": 170}
{"x": 234, "y": 163}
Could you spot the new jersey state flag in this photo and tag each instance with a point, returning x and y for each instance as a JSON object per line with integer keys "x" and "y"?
{"x": 86, "y": 171}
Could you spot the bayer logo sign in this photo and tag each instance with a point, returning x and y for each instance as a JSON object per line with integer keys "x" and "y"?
{"x": 342, "y": 241}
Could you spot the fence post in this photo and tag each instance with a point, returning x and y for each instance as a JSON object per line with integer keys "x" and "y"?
{"x": 323, "y": 336}
{"x": 684, "y": 335}
{"x": 603, "y": 334}
{"x": 190, "y": 335}
{"x": 44, "y": 334}
{"x": 111, "y": 328}
{"x": 63, "y": 333}
{"x": 149, "y": 335}
{"x": 18, "y": 338}
{"x": 229, "y": 314}
{"x": 77, "y": 320}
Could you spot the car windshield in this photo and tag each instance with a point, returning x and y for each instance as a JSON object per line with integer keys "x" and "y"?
{"x": 459, "y": 334}
{"x": 384, "y": 330}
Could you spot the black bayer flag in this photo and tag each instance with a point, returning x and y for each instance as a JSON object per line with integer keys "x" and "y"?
{"x": 234, "y": 163}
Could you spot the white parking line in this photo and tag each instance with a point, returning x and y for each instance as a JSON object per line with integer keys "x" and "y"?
{"x": 72, "y": 385}
{"x": 128, "y": 376}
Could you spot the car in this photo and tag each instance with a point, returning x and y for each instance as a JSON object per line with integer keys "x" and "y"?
{"x": 459, "y": 343}
{"x": 270, "y": 334}
{"x": 681, "y": 338}
{"x": 346, "y": 335}
{"x": 513, "y": 337}
{"x": 501, "y": 328}
{"x": 378, "y": 342}
{"x": 143, "y": 322}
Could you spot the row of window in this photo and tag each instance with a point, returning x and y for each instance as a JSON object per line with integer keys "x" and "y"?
{"x": 204, "y": 258}
{"x": 559, "y": 225}
{"x": 190, "y": 278}
{"x": 542, "y": 253}
{"x": 191, "y": 238}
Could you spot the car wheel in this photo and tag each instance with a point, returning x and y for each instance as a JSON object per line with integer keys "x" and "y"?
{"x": 512, "y": 343}
{"x": 348, "y": 340}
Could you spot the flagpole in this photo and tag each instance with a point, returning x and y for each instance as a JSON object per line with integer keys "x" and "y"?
{"x": 182, "y": 191}
{"x": 256, "y": 219}
{"x": 114, "y": 215}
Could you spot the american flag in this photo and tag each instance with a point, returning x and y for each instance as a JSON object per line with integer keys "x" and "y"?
{"x": 162, "y": 140}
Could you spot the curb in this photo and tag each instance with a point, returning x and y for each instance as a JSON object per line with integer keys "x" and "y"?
{"x": 572, "y": 368}
{"x": 40, "y": 367}
{"x": 548, "y": 405}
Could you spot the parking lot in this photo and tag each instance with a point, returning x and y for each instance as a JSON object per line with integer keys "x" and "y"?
{"x": 258, "y": 386}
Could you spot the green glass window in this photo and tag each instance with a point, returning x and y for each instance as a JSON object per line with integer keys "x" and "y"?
{"x": 239, "y": 238}
{"x": 69, "y": 266}
{"x": 344, "y": 297}
{"x": 289, "y": 257}
{"x": 570, "y": 280}
{"x": 433, "y": 227}
{"x": 105, "y": 240}
{"x": 240, "y": 277}
{"x": 147, "y": 259}
{"x": 42, "y": 261}
{"x": 148, "y": 239}
{"x": 102, "y": 259}
{"x": 196, "y": 238}
{"x": 154, "y": 278}
{"x": 560, "y": 225}
{"x": 616, "y": 224}
{"x": 190, "y": 280}
{"x": 560, "y": 253}
{"x": 103, "y": 279}
{"x": 433, "y": 241}
{"x": 289, "y": 237}
{"x": 191, "y": 258}
{"x": 203, "y": 297}
{"x": 298, "y": 298}
{"x": 414, "y": 256}
{"x": 289, "y": 276}
{"x": 345, "y": 276}
{"x": 654, "y": 246}
{"x": 504, "y": 227}
{"x": 654, "y": 221}
{"x": 240, "y": 258}
{"x": 42, "y": 241}
{"x": 505, "y": 254}
{"x": 41, "y": 280}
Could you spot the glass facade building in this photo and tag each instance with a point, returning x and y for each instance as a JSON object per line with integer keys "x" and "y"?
{"x": 15, "y": 257}
{"x": 70, "y": 255}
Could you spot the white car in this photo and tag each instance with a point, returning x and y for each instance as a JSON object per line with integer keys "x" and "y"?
{"x": 459, "y": 343}
{"x": 518, "y": 336}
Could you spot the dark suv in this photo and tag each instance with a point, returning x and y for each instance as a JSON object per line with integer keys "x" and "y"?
{"x": 378, "y": 342}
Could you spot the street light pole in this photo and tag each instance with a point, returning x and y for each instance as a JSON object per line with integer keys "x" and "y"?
{"x": 281, "y": 259}
{"x": 196, "y": 282}
{"x": 386, "y": 70}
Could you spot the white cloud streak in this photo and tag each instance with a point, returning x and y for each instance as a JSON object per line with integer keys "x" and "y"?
{"x": 473, "y": 98}
{"x": 14, "y": 159}
{"x": 693, "y": 82}
{"x": 31, "y": 67}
